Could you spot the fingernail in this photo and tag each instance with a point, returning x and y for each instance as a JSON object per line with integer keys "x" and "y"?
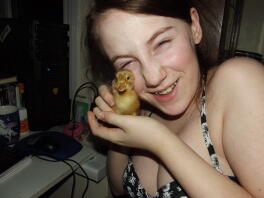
{"x": 112, "y": 103}
{"x": 101, "y": 116}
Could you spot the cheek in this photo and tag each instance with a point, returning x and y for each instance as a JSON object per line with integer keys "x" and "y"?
{"x": 139, "y": 83}
{"x": 139, "y": 80}
{"x": 179, "y": 56}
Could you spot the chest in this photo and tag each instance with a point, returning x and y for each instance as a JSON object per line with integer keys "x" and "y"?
{"x": 153, "y": 174}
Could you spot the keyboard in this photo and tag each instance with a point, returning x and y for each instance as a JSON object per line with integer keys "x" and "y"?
{"x": 12, "y": 161}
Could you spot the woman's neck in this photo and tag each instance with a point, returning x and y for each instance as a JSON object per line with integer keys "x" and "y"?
{"x": 176, "y": 123}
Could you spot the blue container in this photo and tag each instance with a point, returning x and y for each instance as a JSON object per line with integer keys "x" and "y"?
{"x": 9, "y": 123}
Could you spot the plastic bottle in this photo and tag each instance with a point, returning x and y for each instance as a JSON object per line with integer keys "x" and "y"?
{"x": 23, "y": 120}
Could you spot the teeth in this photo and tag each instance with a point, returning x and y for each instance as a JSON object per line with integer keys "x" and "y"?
{"x": 167, "y": 90}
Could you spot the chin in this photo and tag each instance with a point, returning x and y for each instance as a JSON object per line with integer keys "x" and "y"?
{"x": 173, "y": 111}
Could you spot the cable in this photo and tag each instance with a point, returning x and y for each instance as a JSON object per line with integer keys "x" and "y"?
{"x": 73, "y": 173}
{"x": 74, "y": 100}
{"x": 86, "y": 176}
{"x": 73, "y": 179}
{"x": 73, "y": 124}
{"x": 86, "y": 85}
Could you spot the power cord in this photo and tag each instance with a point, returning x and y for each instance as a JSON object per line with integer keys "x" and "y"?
{"x": 87, "y": 85}
{"x": 73, "y": 172}
{"x": 85, "y": 176}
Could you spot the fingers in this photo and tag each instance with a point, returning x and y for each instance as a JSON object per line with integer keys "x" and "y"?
{"x": 111, "y": 118}
{"x": 114, "y": 119}
{"x": 110, "y": 134}
{"x": 100, "y": 102}
{"x": 105, "y": 101}
{"x": 98, "y": 113}
{"x": 106, "y": 94}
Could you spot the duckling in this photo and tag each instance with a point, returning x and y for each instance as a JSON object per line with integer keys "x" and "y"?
{"x": 125, "y": 97}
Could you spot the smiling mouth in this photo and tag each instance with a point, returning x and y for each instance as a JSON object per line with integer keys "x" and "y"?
{"x": 166, "y": 91}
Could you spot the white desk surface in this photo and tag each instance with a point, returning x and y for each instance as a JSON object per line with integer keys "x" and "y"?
{"x": 39, "y": 176}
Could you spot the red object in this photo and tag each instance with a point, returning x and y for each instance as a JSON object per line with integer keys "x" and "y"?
{"x": 74, "y": 129}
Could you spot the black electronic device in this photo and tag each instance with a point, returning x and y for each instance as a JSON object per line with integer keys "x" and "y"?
{"x": 38, "y": 54}
{"x": 44, "y": 10}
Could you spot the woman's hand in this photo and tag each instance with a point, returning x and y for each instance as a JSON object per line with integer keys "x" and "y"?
{"x": 105, "y": 101}
{"x": 132, "y": 131}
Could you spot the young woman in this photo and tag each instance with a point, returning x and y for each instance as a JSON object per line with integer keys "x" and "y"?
{"x": 205, "y": 137}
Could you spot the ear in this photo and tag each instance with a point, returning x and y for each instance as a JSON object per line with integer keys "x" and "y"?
{"x": 196, "y": 26}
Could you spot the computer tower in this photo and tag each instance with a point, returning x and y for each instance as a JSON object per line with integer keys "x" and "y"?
{"x": 38, "y": 54}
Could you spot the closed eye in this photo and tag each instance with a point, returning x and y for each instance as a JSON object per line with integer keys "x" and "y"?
{"x": 163, "y": 42}
{"x": 125, "y": 64}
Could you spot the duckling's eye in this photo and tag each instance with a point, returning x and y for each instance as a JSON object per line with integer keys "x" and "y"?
{"x": 128, "y": 77}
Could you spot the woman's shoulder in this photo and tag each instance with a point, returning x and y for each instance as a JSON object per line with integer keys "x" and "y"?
{"x": 235, "y": 73}
{"x": 234, "y": 83}
{"x": 236, "y": 66}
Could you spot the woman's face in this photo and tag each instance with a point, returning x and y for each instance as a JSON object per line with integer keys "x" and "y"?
{"x": 159, "y": 50}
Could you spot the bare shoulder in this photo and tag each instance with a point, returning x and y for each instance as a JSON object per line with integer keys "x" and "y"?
{"x": 236, "y": 79}
{"x": 236, "y": 70}
{"x": 239, "y": 85}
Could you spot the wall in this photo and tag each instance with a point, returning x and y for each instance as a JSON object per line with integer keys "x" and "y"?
{"x": 251, "y": 36}
{"x": 75, "y": 12}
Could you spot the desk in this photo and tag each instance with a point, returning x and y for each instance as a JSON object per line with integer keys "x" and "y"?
{"x": 39, "y": 176}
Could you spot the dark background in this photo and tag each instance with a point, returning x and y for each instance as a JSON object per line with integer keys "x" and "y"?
{"x": 36, "y": 51}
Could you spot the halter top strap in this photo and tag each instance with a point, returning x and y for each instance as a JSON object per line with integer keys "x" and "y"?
{"x": 206, "y": 135}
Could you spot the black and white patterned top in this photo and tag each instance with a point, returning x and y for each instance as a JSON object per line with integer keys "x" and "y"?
{"x": 173, "y": 189}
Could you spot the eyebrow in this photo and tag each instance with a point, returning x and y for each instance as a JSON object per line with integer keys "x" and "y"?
{"x": 117, "y": 57}
{"x": 159, "y": 32}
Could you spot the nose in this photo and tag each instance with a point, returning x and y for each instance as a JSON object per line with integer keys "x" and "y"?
{"x": 153, "y": 74}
